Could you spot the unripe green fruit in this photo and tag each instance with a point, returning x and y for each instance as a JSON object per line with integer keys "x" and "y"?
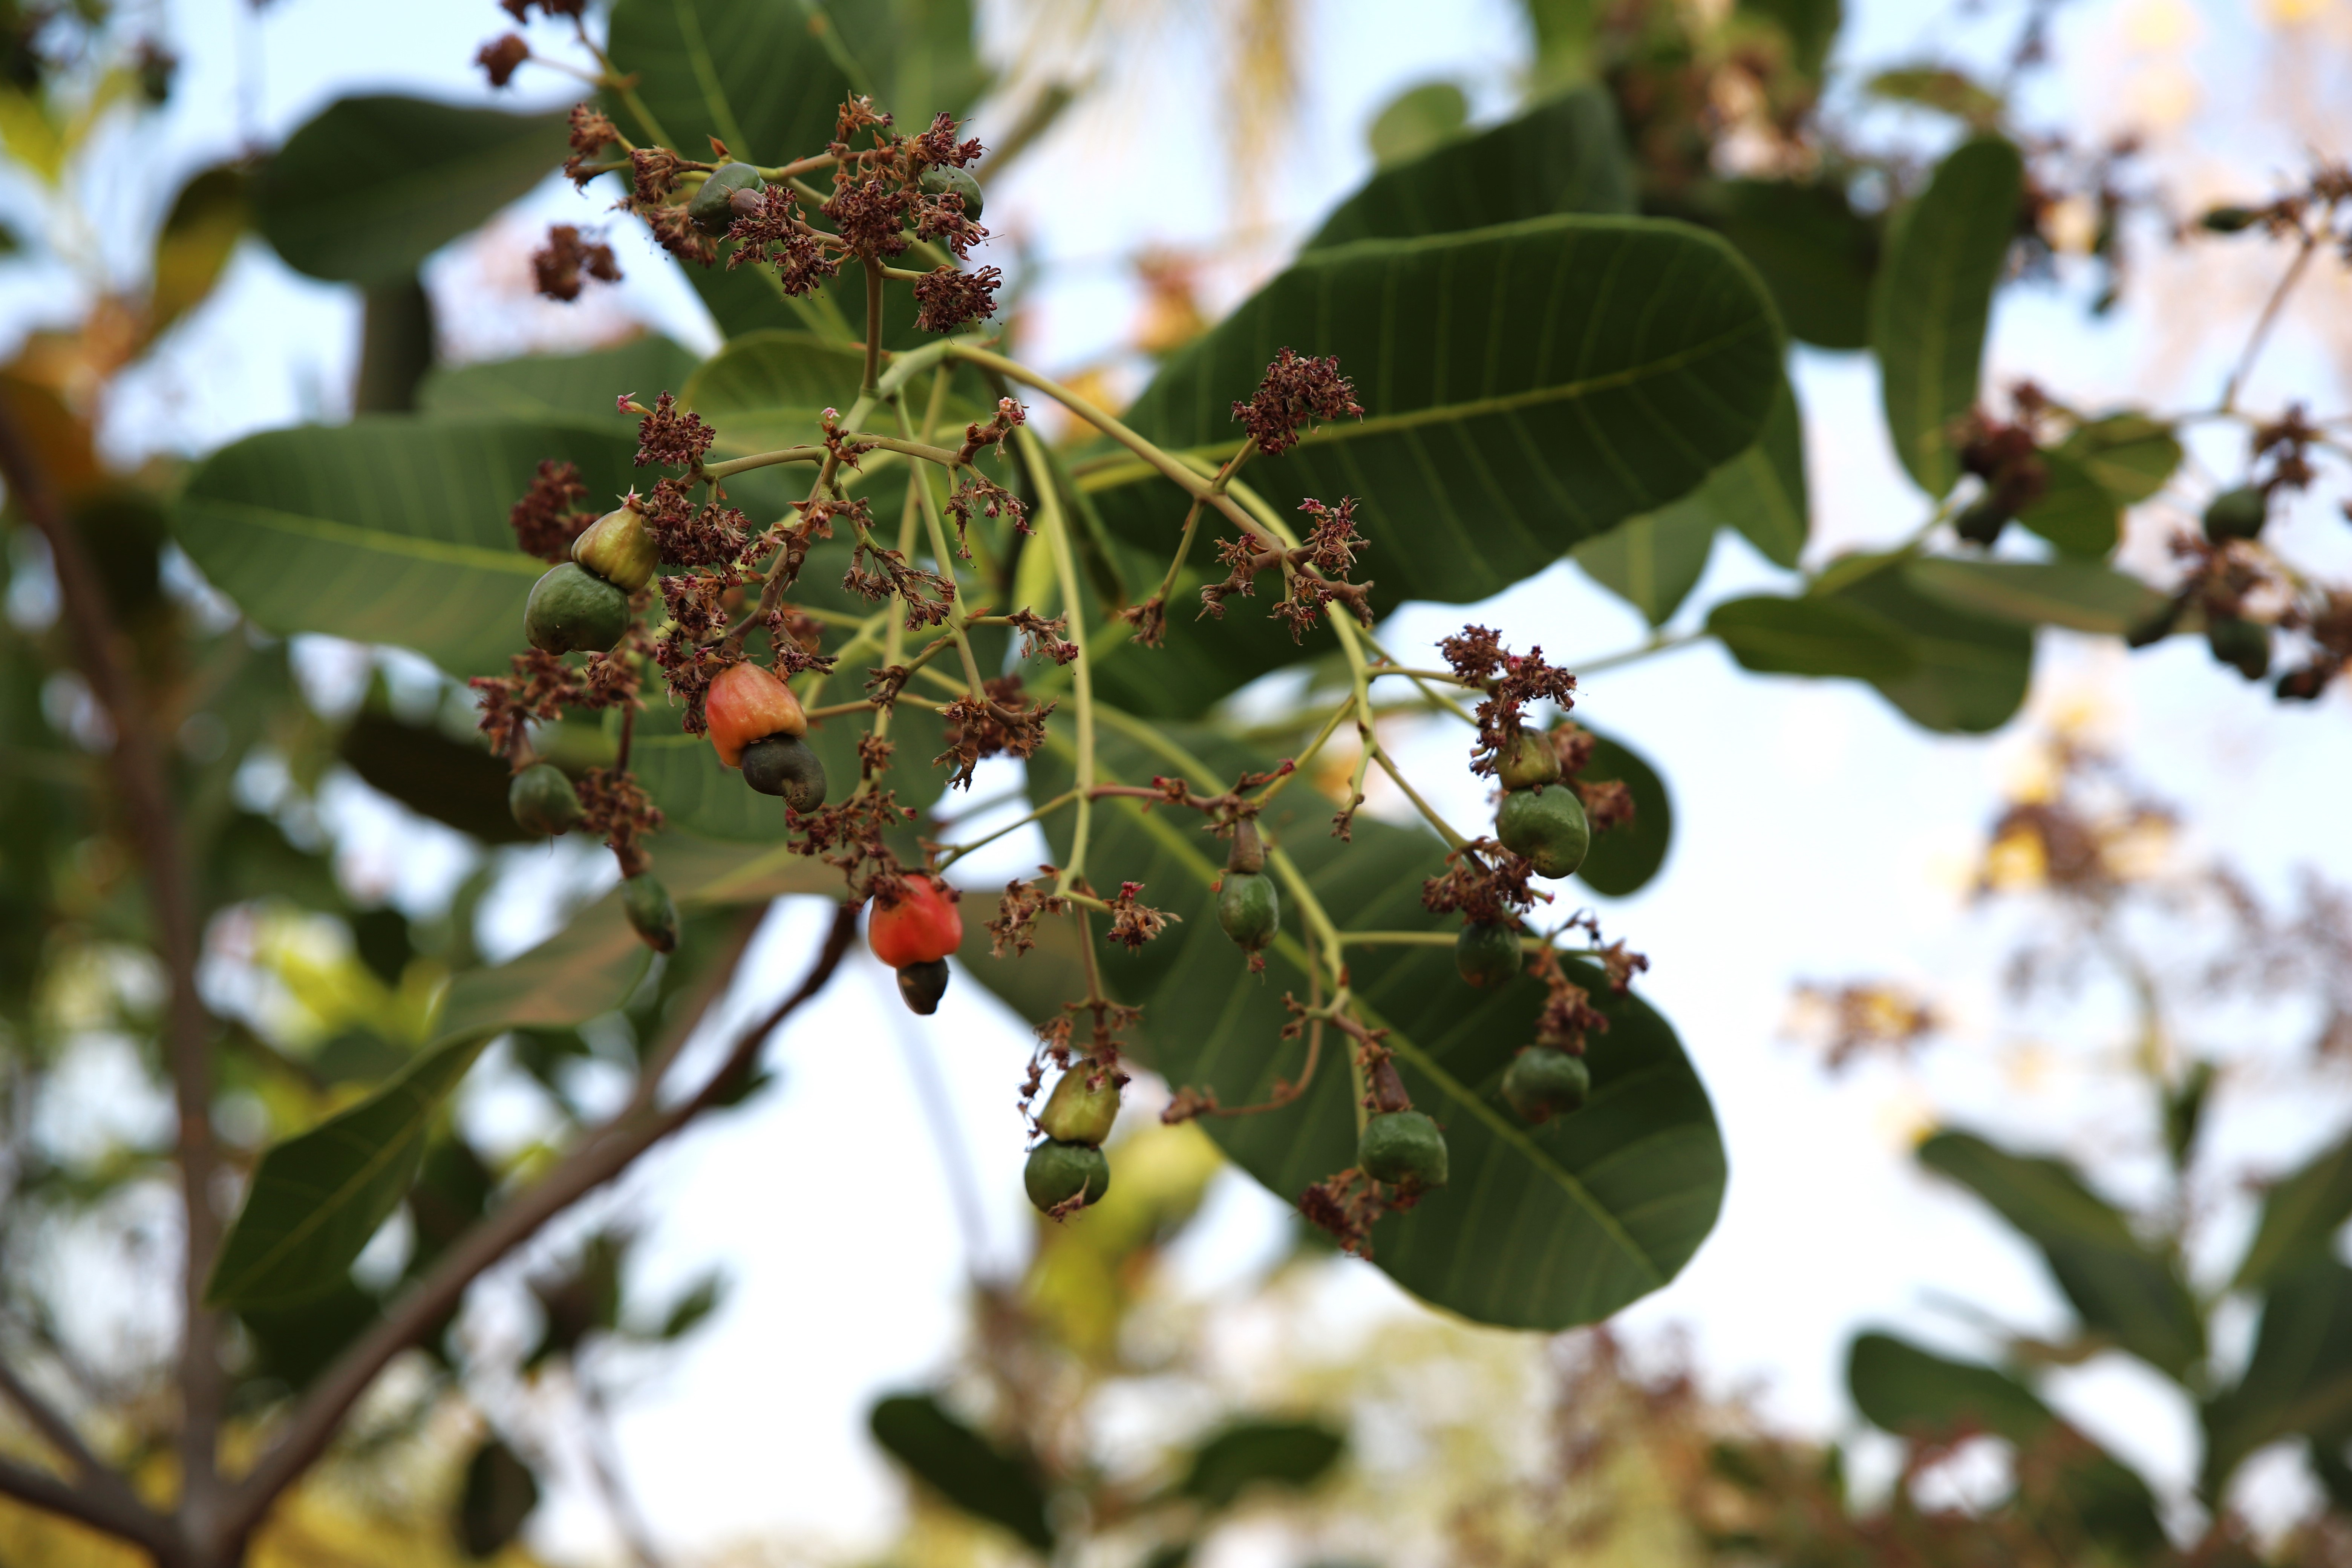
{"x": 1548, "y": 827}
{"x": 1487, "y": 955}
{"x": 2239, "y": 642}
{"x": 543, "y": 801}
{"x": 783, "y": 765}
{"x": 1060, "y": 1172}
{"x": 1981, "y": 521}
{"x": 1248, "y": 909}
{"x": 2229, "y": 220}
{"x": 946, "y": 178}
{"x": 1543, "y": 1081}
{"x": 572, "y": 610}
{"x": 710, "y": 211}
{"x": 646, "y": 903}
{"x": 2237, "y": 514}
{"x": 920, "y": 985}
{"x": 1082, "y": 1107}
{"x": 1404, "y": 1149}
{"x": 619, "y": 548}
{"x": 1528, "y": 763}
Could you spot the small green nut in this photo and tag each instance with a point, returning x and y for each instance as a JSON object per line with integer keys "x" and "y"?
{"x": 1487, "y": 955}
{"x": 2229, "y": 219}
{"x": 1528, "y": 763}
{"x": 619, "y": 548}
{"x": 712, "y": 210}
{"x": 1061, "y": 1176}
{"x": 921, "y": 986}
{"x": 2237, "y": 514}
{"x": 651, "y": 914}
{"x": 544, "y": 801}
{"x": 1982, "y": 520}
{"x": 572, "y": 610}
{"x": 1249, "y": 910}
{"x": 2241, "y": 643}
{"x": 1543, "y": 1081}
{"x": 785, "y": 766}
{"x": 1546, "y": 826}
{"x": 1404, "y": 1149}
{"x": 1082, "y": 1107}
{"x": 939, "y": 181}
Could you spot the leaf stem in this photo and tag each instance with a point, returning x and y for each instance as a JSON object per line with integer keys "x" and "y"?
{"x": 1056, "y": 528}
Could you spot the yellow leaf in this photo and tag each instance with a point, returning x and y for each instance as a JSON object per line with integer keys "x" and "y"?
{"x": 28, "y": 135}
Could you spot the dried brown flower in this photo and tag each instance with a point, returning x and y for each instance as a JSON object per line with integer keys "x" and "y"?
{"x": 1295, "y": 393}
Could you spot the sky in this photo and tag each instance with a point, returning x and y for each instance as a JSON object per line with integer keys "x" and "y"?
{"x": 1819, "y": 835}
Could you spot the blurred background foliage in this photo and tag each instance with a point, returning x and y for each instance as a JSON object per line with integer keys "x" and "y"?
{"x": 1431, "y": 1441}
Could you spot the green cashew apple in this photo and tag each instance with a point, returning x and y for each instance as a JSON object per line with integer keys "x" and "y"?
{"x": 1059, "y": 1172}
{"x": 572, "y": 610}
{"x": 1249, "y": 910}
{"x": 2239, "y": 642}
{"x": 1486, "y": 954}
{"x": 544, "y": 801}
{"x": 651, "y": 914}
{"x": 2237, "y": 514}
{"x": 712, "y": 208}
{"x": 1404, "y": 1149}
{"x": 939, "y": 181}
{"x": 1543, "y": 1081}
{"x": 1548, "y": 827}
{"x": 1082, "y": 1107}
{"x": 1528, "y": 763}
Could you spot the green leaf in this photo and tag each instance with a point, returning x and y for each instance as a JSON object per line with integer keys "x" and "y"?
{"x": 431, "y": 773}
{"x": 1912, "y": 1391}
{"x": 2301, "y": 1215}
{"x": 1938, "y": 87}
{"x": 1933, "y": 296}
{"x": 1762, "y": 492}
{"x": 1623, "y": 860}
{"x": 2075, "y": 511}
{"x": 1902, "y": 1389}
{"x": 371, "y": 186}
{"x": 390, "y": 530}
{"x": 1654, "y": 561}
{"x": 193, "y": 247}
{"x": 1416, "y": 121}
{"x": 1563, "y": 156}
{"x": 2299, "y": 1379}
{"x": 758, "y": 76}
{"x": 916, "y": 57}
{"x": 1275, "y": 1453}
{"x": 770, "y": 389}
{"x": 1968, "y": 673}
{"x": 1527, "y": 388}
{"x": 1542, "y": 1227}
{"x": 2080, "y": 595}
{"x": 317, "y": 1198}
{"x": 1810, "y": 27}
{"x": 497, "y": 1496}
{"x": 1809, "y": 636}
{"x": 963, "y": 1467}
{"x": 2124, "y": 1290}
{"x": 2130, "y": 455}
{"x": 561, "y": 389}
{"x": 1815, "y": 253}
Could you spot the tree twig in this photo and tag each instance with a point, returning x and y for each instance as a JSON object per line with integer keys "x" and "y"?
{"x": 605, "y": 1154}
{"x": 154, "y": 826}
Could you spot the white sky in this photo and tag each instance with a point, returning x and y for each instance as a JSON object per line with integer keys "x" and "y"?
{"x": 1819, "y": 834}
